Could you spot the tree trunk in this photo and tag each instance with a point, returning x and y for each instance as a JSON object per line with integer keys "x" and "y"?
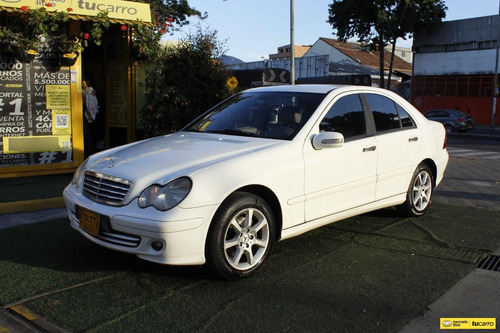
{"x": 381, "y": 50}
{"x": 391, "y": 64}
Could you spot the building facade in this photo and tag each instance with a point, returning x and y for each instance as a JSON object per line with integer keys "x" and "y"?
{"x": 42, "y": 122}
{"x": 333, "y": 59}
{"x": 454, "y": 67}
{"x": 285, "y": 51}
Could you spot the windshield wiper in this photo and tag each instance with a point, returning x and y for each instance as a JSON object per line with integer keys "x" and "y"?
{"x": 232, "y": 132}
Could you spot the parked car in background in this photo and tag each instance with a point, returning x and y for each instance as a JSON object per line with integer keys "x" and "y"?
{"x": 453, "y": 120}
{"x": 265, "y": 165}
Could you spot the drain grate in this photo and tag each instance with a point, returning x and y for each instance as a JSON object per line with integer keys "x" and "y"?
{"x": 490, "y": 263}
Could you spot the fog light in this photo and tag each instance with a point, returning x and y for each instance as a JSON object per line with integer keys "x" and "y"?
{"x": 157, "y": 245}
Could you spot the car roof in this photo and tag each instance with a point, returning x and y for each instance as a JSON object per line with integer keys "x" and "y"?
{"x": 309, "y": 88}
{"x": 314, "y": 88}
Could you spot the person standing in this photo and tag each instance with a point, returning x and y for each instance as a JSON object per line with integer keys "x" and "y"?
{"x": 90, "y": 110}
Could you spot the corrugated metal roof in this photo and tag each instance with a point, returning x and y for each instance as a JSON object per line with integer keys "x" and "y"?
{"x": 356, "y": 52}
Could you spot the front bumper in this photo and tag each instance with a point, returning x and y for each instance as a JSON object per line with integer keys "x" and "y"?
{"x": 130, "y": 229}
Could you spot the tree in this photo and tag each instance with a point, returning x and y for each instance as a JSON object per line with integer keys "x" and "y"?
{"x": 172, "y": 11}
{"x": 167, "y": 17}
{"x": 185, "y": 81}
{"x": 384, "y": 21}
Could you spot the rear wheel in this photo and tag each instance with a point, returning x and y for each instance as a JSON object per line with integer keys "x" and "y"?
{"x": 419, "y": 195}
{"x": 241, "y": 236}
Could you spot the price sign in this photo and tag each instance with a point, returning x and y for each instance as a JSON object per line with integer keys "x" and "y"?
{"x": 34, "y": 102}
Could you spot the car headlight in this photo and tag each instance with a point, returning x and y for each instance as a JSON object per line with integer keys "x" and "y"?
{"x": 167, "y": 196}
{"x": 78, "y": 176}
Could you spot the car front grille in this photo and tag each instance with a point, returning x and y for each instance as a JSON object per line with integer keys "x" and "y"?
{"x": 105, "y": 189}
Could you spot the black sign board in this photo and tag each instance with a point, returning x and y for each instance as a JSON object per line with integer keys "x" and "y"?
{"x": 35, "y": 111}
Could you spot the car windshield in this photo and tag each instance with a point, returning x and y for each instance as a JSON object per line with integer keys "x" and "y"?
{"x": 277, "y": 115}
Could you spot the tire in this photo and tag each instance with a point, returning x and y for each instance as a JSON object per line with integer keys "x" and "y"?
{"x": 449, "y": 129}
{"x": 419, "y": 195}
{"x": 241, "y": 236}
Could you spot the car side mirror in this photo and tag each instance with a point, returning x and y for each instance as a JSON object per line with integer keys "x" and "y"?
{"x": 326, "y": 140}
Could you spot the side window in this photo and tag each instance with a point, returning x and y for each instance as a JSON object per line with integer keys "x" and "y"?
{"x": 406, "y": 120}
{"x": 345, "y": 116}
{"x": 384, "y": 112}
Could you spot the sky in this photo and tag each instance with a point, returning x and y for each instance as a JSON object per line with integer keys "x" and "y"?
{"x": 251, "y": 30}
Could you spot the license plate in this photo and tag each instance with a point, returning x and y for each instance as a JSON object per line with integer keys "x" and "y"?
{"x": 89, "y": 221}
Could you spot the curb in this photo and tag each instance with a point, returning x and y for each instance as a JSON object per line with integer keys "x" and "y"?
{"x": 30, "y": 205}
{"x": 17, "y": 318}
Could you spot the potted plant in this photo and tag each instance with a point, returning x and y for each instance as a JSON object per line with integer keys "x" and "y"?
{"x": 6, "y": 38}
{"x": 22, "y": 40}
{"x": 51, "y": 26}
{"x": 69, "y": 45}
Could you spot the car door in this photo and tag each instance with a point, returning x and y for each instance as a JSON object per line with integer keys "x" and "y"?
{"x": 398, "y": 144}
{"x": 337, "y": 179}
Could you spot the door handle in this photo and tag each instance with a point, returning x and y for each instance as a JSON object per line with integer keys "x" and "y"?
{"x": 414, "y": 139}
{"x": 372, "y": 148}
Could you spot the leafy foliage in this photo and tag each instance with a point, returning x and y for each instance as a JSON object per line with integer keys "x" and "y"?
{"x": 383, "y": 21}
{"x": 185, "y": 81}
{"x": 167, "y": 16}
{"x": 37, "y": 24}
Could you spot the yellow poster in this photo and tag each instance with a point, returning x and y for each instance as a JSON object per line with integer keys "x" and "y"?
{"x": 33, "y": 144}
{"x": 61, "y": 122}
{"x": 58, "y": 97}
{"x": 117, "y": 9}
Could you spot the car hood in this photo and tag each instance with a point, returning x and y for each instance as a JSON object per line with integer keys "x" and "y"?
{"x": 161, "y": 159}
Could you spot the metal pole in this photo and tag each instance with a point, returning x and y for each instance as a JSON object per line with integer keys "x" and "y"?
{"x": 292, "y": 43}
{"x": 495, "y": 80}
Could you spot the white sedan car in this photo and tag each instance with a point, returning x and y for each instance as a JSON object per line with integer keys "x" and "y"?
{"x": 265, "y": 165}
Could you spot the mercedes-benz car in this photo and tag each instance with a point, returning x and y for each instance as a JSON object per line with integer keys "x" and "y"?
{"x": 264, "y": 165}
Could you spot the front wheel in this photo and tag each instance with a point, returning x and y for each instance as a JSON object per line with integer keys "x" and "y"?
{"x": 419, "y": 195}
{"x": 241, "y": 236}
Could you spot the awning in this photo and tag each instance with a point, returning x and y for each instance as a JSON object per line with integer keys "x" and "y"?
{"x": 119, "y": 11}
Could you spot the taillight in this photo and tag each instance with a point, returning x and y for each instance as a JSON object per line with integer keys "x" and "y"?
{"x": 461, "y": 120}
{"x": 444, "y": 142}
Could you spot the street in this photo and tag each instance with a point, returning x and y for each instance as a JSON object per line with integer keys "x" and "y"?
{"x": 464, "y": 142}
{"x": 473, "y": 174}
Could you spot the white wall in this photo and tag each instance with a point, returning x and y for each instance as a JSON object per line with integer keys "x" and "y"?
{"x": 321, "y": 48}
{"x": 455, "y": 63}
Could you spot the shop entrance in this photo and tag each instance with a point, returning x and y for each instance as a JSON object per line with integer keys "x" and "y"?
{"x": 106, "y": 67}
